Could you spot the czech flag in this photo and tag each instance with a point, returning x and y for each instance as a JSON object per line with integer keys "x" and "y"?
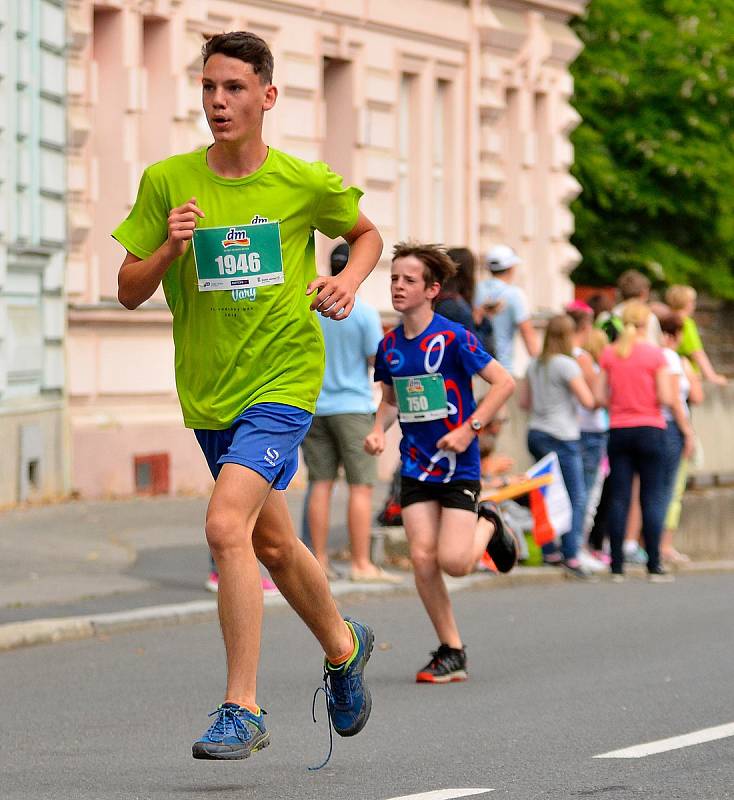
{"x": 549, "y": 505}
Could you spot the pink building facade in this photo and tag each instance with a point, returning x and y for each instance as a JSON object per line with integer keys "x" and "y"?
{"x": 452, "y": 115}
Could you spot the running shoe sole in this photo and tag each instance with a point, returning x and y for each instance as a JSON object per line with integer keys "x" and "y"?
{"x": 454, "y": 677}
{"x": 229, "y": 752}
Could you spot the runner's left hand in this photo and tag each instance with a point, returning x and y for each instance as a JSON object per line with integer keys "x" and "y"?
{"x": 456, "y": 440}
{"x": 335, "y": 296}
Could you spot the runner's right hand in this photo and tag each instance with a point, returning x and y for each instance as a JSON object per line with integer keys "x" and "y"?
{"x": 374, "y": 442}
{"x": 181, "y": 224}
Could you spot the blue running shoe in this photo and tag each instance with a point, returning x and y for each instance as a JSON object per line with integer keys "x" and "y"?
{"x": 349, "y": 698}
{"x": 235, "y": 733}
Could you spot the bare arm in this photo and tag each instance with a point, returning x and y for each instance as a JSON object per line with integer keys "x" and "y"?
{"x": 681, "y": 418}
{"x": 502, "y": 385}
{"x": 707, "y": 369}
{"x": 530, "y": 337}
{"x": 524, "y": 395}
{"x": 387, "y": 413}
{"x": 581, "y": 392}
{"x": 696, "y": 393}
{"x": 138, "y": 278}
{"x": 335, "y": 294}
{"x": 662, "y": 385}
{"x": 591, "y": 376}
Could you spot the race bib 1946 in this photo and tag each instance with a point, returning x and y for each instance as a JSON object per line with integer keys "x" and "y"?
{"x": 421, "y": 398}
{"x": 237, "y": 257}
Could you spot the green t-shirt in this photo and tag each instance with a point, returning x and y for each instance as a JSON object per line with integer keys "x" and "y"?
{"x": 238, "y": 347}
{"x": 690, "y": 340}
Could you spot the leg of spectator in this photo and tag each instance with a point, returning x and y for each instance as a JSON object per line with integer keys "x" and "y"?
{"x": 318, "y": 520}
{"x": 539, "y": 445}
{"x": 672, "y": 517}
{"x": 651, "y": 467}
{"x": 305, "y": 527}
{"x": 359, "y": 519}
{"x": 572, "y": 469}
{"x": 620, "y": 480}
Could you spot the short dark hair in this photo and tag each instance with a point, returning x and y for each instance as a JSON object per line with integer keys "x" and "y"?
{"x": 464, "y": 280}
{"x": 339, "y": 258}
{"x": 671, "y": 323}
{"x": 632, "y": 284}
{"x": 246, "y": 46}
{"x": 437, "y": 265}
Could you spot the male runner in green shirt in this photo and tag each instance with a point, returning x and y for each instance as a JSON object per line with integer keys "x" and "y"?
{"x": 249, "y": 362}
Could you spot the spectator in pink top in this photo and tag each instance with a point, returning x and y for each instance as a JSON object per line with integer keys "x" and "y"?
{"x": 638, "y": 385}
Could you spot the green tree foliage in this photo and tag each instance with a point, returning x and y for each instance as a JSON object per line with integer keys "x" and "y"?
{"x": 655, "y": 150}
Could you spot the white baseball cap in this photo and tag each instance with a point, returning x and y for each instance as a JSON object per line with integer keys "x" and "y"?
{"x": 501, "y": 257}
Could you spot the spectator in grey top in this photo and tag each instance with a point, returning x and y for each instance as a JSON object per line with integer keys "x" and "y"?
{"x": 551, "y": 390}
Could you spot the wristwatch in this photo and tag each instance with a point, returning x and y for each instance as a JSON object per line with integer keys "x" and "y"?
{"x": 475, "y": 424}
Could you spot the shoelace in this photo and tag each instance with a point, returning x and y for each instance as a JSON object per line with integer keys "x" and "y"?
{"x": 327, "y": 696}
{"x": 228, "y": 721}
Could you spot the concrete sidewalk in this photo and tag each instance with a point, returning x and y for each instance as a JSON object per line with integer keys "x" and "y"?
{"x": 77, "y": 569}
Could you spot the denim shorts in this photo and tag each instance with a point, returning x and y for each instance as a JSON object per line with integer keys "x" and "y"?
{"x": 265, "y": 438}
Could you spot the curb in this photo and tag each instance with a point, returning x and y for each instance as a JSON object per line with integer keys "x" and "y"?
{"x": 14, "y": 635}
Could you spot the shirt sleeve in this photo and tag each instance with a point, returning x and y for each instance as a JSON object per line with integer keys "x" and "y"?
{"x": 673, "y": 361}
{"x": 336, "y": 208}
{"x": 690, "y": 339}
{"x": 472, "y": 356}
{"x": 146, "y": 226}
{"x": 569, "y": 368}
{"x": 371, "y": 332}
{"x": 518, "y": 306}
{"x": 381, "y": 371}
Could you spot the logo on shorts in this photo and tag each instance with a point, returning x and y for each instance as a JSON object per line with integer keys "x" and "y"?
{"x": 469, "y": 493}
{"x": 271, "y": 456}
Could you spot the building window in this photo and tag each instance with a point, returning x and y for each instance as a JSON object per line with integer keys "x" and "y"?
{"x": 440, "y": 160}
{"x": 152, "y": 474}
{"x": 406, "y": 147}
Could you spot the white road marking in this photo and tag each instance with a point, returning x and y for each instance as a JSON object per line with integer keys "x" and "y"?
{"x": 674, "y": 743}
{"x": 442, "y": 794}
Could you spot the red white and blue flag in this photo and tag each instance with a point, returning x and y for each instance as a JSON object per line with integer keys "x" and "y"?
{"x": 549, "y": 505}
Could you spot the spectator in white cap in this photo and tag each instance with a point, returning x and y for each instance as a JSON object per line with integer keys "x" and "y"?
{"x": 498, "y": 298}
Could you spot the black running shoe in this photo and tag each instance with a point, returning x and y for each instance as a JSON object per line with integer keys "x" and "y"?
{"x": 446, "y": 665}
{"x": 502, "y": 547}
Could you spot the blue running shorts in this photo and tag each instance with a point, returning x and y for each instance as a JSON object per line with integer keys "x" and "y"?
{"x": 265, "y": 438}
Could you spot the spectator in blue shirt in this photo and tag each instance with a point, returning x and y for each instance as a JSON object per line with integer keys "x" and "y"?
{"x": 345, "y": 413}
{"x": 497, "y": 297}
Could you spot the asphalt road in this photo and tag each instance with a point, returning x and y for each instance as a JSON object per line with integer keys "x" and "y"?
{"x": 558, "y": 674}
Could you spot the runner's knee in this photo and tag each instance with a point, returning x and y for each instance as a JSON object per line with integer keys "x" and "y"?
{"x": 275, "y": 555}
{"x": 455, "y": 567}
{"x": 424, "y": 559}
{"x": 224, "y": 531}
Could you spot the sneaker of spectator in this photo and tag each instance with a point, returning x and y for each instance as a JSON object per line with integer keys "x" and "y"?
{"x": 633, "y": 553}
{"x": 590, "y": 563}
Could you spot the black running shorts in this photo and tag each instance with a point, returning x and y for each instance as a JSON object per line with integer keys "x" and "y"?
{"x": 456, "y": 494}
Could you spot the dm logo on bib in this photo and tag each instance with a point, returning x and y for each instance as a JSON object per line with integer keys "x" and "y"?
{"x": 414, "y": 385}
{"x": 236, "y": 237}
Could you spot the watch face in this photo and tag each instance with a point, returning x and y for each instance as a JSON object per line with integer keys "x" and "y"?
{"x": 476, "y": 425}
